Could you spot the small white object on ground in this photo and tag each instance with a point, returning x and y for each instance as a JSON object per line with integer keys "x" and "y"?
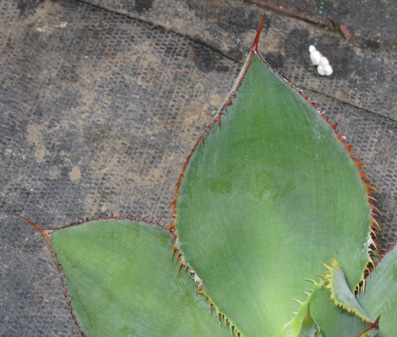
{"x": 328, "y": 70}
{"x": 324, "y": 61}
{"x": 321, "y": 61}
{"x": 315, "y": 57}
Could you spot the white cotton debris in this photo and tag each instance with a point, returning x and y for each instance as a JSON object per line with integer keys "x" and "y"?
{"x": 322, "y": 63}
{"x": 328, "y": 70}
{"x": 320, "y": 70}
{"x": 315, "y": 57}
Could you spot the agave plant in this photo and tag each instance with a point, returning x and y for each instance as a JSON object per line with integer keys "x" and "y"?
{"x": 271, "y": 234}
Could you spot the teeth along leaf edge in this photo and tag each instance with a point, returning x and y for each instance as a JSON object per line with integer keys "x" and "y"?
{"x": 199, "y": 161}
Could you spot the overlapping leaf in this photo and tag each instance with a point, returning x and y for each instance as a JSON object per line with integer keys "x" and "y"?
{"x": 267, "y": 196}
{"x": 121, "y": 282}
{"x": 342, "y": 315}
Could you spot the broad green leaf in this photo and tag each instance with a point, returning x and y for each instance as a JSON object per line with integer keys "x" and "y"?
{"x": 267, "y": 195}
{"x": 380, "y": 295}
{"x": 123, "y": 282}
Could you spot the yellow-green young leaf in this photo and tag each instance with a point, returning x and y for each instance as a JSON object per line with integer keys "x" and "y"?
{"x": 268, "y": 194}
{"x": 122, "y": 282}
{"x": 340, "y": 293}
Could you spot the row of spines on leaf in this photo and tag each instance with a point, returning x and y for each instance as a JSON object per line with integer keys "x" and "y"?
{"x": 342, "y": 138}
{"x": 178, "y": 255}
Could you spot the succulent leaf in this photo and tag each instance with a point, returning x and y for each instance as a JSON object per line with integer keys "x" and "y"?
{"x": 121, "y": 282}
{"x": 332, "y": 319}
{"x": 380, "y": 294}
{"x": 268, "y": 194}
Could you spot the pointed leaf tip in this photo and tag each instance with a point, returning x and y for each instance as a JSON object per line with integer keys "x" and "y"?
{"x": 32, "y": 223}
{"x": 258, "y": 33}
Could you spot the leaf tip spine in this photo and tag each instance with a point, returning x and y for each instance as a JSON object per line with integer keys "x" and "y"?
{"x": 174, "y": 249}
{"x": 258, "y": 33}
{"x": 41, "y": 230}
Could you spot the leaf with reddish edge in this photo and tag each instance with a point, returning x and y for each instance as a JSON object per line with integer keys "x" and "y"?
{"x": 120, "y": 281}
{"x": 269, "y": 193}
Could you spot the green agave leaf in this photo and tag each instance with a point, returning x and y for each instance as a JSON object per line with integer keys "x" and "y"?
{"x": 268, "y": 194}
{"x": 380, "y": 295}
{"x": 340, "y": 316}
{"x": 122, "y": 282}
{"x": 333, "y": 320}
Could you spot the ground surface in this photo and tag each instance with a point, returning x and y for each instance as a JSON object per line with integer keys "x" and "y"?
{"x": 101, "y": 101}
